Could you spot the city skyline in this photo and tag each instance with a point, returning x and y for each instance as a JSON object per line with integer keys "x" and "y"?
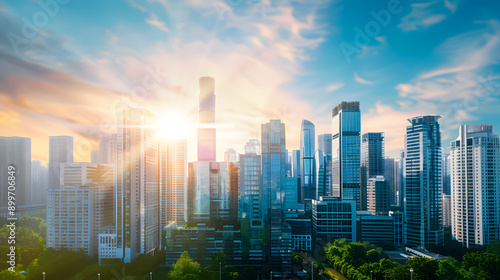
{"x": 270, "y": 61}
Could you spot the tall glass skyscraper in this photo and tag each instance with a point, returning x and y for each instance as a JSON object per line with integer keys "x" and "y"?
{"x": 307, "y": 163}
{"x": 273, "y": 195}
{"x": 60, "y": 151}
{"x": 206, "y": 131}
{"x": 250, "y": 185}
{"x": 475, "y": 186}
{"x": 346, "y": 142}
{"x": 325, "y": 143}
{"x": 372, "y": 161}
{"x": 423, "y": 191}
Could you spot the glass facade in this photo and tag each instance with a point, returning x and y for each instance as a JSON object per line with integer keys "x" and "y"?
{"x": 372, "y": 161}
{"x": 307, "y": 163}
{"x": 423, "y": 191}
{"x": 346, "y": 144}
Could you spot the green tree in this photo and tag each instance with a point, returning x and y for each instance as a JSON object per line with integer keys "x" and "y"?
{"x": 482, "y": 264}
{"x": 7, "y": 274}
{"x": 449, "y": 269}
{"x": 423, "y": 268}
{"x": 184, "y": 269}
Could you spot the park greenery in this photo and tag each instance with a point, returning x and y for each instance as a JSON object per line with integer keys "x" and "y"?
{"x": 354, "y": 260}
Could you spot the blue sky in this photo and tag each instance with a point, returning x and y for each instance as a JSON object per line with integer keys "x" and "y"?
{"x": 270, "y": 59}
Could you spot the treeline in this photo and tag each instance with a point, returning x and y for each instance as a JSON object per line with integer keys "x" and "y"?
{"x": 356, "y": 260}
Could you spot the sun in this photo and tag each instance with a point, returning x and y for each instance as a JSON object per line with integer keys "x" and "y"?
{"x": 174, "y": 126}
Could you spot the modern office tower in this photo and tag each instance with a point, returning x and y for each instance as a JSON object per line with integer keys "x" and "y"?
{"x": 191, "y": 191}
{"x": 322, "y": 178}
{"x": 174, "y": 181}
{"x": 39, "y": 182}
{"x": 224, "y": 191}
{"x": 138, "y": 193}
{"x": 60, "y": 151}
{"x": 307, "y": 167}
{"x": 346, "y": 129}
{"x": 378, "y": 196}
{"x": 273, "y": 194}
{"x": 402, "y": 181}
{"x": 206, "y": 131}
{"x": 291, "y": 199}
{"x": 252, "y": 146}
{"x": 250, "y": 185}
{"x": 107, "y": 149}
{"x": 230, "y": 156}
{"x": 16, "y": 152}
{"x": 325, "y": 143}
{"x": 78, "y": 174}
{"x": 446, "y": 173}
{"x": 332, "y": 219}
{"x": 446, "y": 210}
{"x": 475, "y": 186}
{"x": 273, "y": 165}
{"x": 422, "y": 173}
{"x": 372, "y": 161}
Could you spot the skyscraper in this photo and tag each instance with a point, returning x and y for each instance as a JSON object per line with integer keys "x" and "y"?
{"x": 16, "y": 152}
{"x": 475, "y": 186}
{"x": 250, "y": 184}
{"x": 423, "y": 192}
{"x": 322, "y": 179}
{"x": 206, "y": 131}
{"x": 107, "y": 149}
{"x": 273, "y": 194}
{"x": 325, "y": 143}
{"x": 346, "y": 130}
{"x": 173, "y": 186}
{"x": 252, "y": 146}
{"x": 446, "y": 173}
{"x": 307, "y": 163}
{"x": 378, "y": 198}
{"x": 325, "y": 146}
{"x": 138, "y": 183}
{"x": 372, "y": 161}
{"x": 60, "y": 151}
{"x": 230, "y": 155}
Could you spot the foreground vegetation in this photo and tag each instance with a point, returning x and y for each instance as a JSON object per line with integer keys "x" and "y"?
{"x": 355, "y": 260}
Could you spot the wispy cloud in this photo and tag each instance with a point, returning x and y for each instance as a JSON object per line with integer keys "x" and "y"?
{"x": 155, "y": 22}
{"x": 426, "y": 14}
{"x": 334, "y": 87}
{"x": 360, "y": 80}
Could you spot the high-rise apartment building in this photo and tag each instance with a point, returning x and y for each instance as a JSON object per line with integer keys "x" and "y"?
{"x": 230, "y": 155}
{"x": 372, "y": 161}
{"x": 475, "y": 186}
{"x": 15, "y": 152}
{"x": 346, "y": 145}
{"x": 138, "y": 190}
{"x": 446, "y": 174}
{"x": 250, "y": 184}
{"x": 423, "y": 192}
{"x": 307, "y": 163}
{"x": 174, "y": 181}
{"x": 78, "y": 174}
{"x": 60, "y": 151}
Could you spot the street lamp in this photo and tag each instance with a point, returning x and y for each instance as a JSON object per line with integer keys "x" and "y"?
{"x": 98, "y": 276}
{"x": 312, "y": 270}
{"x": 271, "y": 277}
{"x": 43, "y": 273}
{"x": 150, "y": 275}
{"x": 220, "y": 270}
{"x": 371, "y": 274}
{"x": 411, "y": 271}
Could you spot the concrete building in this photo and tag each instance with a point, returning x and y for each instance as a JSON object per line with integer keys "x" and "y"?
{"x": 39, "y": 182}
{"x": 15, "y": 152}
{"x": 60, "y": 151}
{"x": 475, "y": 186}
